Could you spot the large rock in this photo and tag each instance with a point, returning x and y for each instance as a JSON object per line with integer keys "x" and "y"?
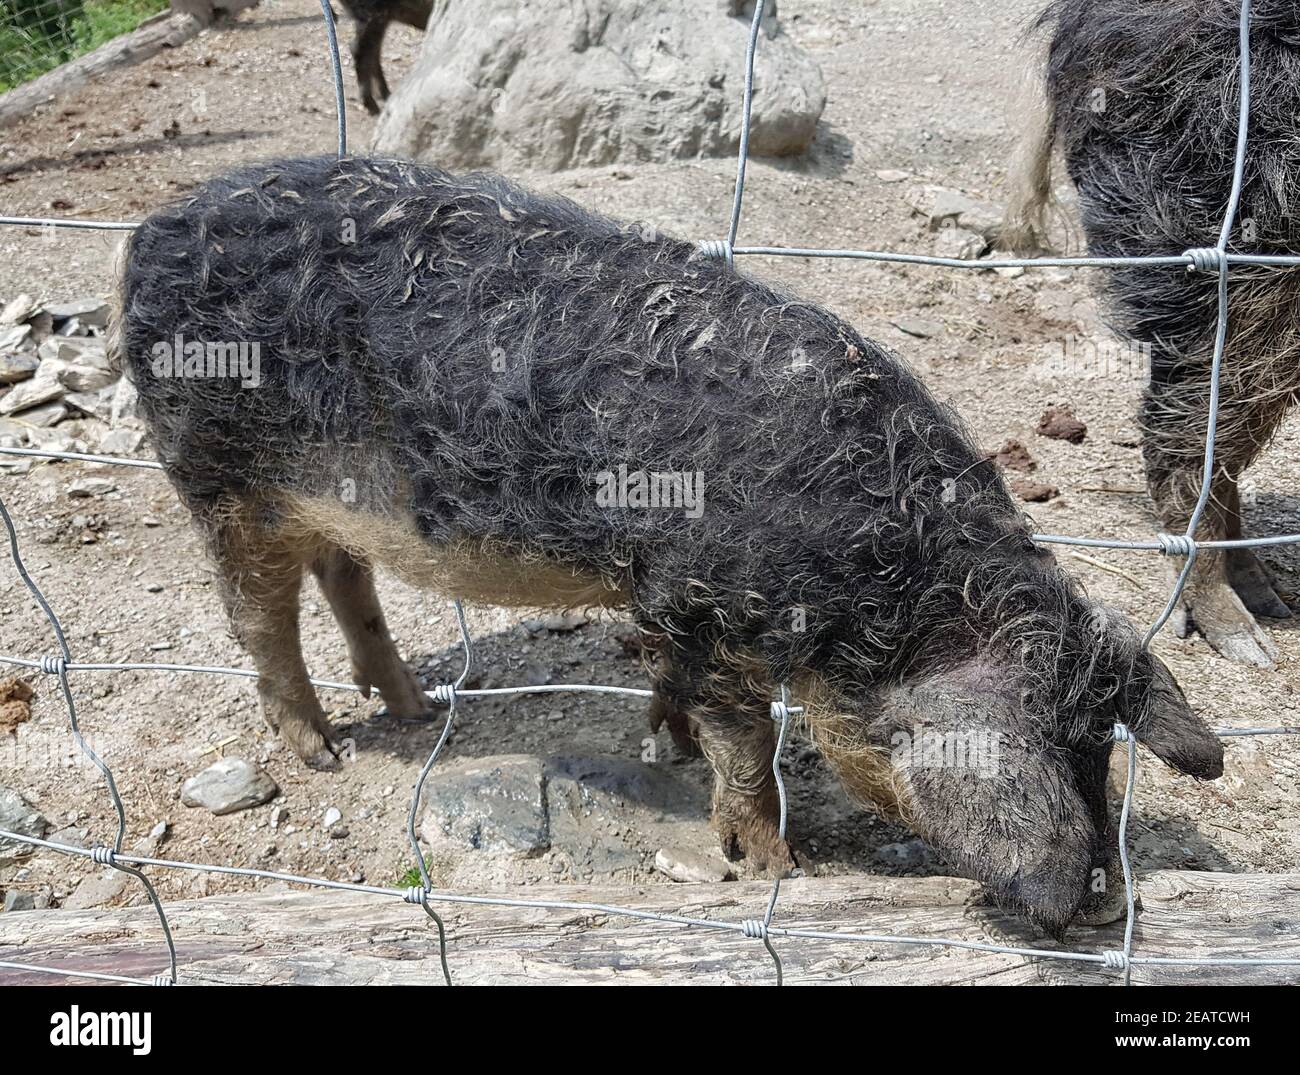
{"x": 552, "y": 84}
{"x": 229, "y": 785}
{"x": 600, "y": 814}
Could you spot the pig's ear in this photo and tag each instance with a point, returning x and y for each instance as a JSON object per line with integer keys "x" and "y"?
{"x": 1175, "y": 734}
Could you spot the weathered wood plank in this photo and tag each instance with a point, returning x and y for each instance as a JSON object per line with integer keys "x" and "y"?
{"x": 166, "y": 30}
{"x": 341, "y": 938}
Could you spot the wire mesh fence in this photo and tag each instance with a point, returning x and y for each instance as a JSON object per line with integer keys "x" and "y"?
{"x": 37, "y": 36}
{"x": 62, "y": 664}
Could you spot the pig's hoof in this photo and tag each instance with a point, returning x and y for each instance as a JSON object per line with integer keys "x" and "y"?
{"x": 1219, "y": 614}
{"x": 767, "y": 853}
{"x": 1112, "y": 907}
{"x": 1254, "y": 585}
{"x": 323, "y": 761}
{"x": 400, "y": 689}
{"x": 317, "y": 753}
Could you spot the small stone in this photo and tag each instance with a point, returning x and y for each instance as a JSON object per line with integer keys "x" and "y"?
{"x": 918, "y": 327}
{"x": 229, "y": 785}
{"x": 332, "y": 817}
{"x": 18, "y": 815}
{"x": 1059, "y": 423}
{"x": 97, "y": 890}
{"x": 92, "y": 404}
{"x": 47, "y": 415}
{"x": 17, "y": 366}
{"x": 943, "y": 207}
{"x": 278, "y": 816}
{"x": 959, "y": 243}
{"x": 88, "y": 351}
{"x": 89, "y": 312}
{"x": 154, "y": 587}
{"x": 909, "y": 853}
{"x": 19, "y": 901}
{"x": 687, "y": 867}
{"x": 125, "y": 405}
{"x": 85, "y": 378}
{"x": 557, "y": 623}
{"x": 18, "y": 310}
{"x": 121, "y": 442}
{"x": 339, "y": 832}
{"x": 1010, "y": 272}
{"x": 83, "y": 488}
{"x": 892, "y": 175}
{"x": 31, "y": 393}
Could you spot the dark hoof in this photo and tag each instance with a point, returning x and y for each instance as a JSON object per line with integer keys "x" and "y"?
{"x": 324, "y": 761}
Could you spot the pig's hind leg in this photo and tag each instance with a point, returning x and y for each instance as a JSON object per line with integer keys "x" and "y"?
{"x": 349, "y": 587}
{"x": 1226, "y": 589}
{"x": 261, "y": 579}
{"x": 1246, "y": 573}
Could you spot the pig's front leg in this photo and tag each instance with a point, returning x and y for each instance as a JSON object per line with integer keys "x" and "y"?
{"x": 668, "y": 706}
{"x": 739, "y": 744}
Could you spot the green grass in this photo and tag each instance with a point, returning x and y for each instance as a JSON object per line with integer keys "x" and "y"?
{"x": 412, "y": 878}
{"x": 38, "y": 35}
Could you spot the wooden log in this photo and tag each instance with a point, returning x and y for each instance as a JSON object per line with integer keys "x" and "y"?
{"x": 165, "y": 30}
{"x": 330, "y": 937}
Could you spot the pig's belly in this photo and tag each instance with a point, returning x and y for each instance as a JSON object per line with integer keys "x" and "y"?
{"x": 480, "y": 571}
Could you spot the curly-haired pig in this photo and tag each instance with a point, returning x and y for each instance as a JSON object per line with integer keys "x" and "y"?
{"x": 505, "y": 398}
{"x": 1142, "y": 99}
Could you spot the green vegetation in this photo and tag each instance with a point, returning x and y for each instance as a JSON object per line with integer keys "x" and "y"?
{"x": 38, "y": 35}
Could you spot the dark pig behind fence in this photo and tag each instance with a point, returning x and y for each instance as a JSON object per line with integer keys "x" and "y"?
{"x": 503, "y": 397}
{"x": 372, "y": 18}
{"x": 1142, "y": 98}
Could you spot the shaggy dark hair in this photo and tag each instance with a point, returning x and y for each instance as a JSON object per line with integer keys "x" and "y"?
{"x": 470, "y": 355}
{"x": 1143, "y": 100}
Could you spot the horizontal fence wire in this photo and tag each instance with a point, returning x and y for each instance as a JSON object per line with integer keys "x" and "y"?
{"x": 1216, "y": 259}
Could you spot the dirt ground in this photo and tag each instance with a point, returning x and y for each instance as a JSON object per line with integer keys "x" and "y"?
{"x": 926, "y": 88}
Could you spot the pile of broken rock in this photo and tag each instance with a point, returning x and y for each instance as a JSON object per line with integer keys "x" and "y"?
{"x": 58, "y": 390}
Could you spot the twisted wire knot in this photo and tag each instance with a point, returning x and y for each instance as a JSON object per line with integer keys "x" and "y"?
{"x": 782, "y": 712}
{"x": 444, "y": 693}
{"x": 1176, "y": 544}
{"x": 1204, "y": 258}
{"x": 415, "y": 894}
{"x": 162, "y": 979}
{"x": 1121, "y": 733}
{"x": 53, "y": 666}
{"x": 1115, "y": 960}
{"x": 718, "y": 248}
{"x": 103, "y": 856}
{"x": 754, "y": 929}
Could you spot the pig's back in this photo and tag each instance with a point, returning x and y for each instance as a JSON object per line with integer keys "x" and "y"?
{"x": 484, "y": 354}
